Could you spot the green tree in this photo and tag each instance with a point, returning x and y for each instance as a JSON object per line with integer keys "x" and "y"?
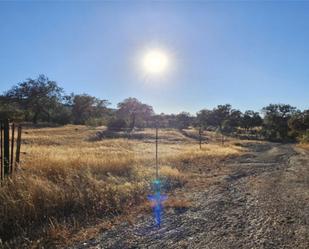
{"x": 10, "y": 110}
{"x": 203, "y": 118}
{"x": 86, "y": 107}
{"x": 62, "y": 115}
{"x": 220, "y": 115}
{"x": 251, "y": 119}
{"x": 183, "y": 120}
{"x": 223, "y": 117}
{"x": 276, "y": 118}
{"x": 37, "y": 98}
{"x": 299, "y": 123}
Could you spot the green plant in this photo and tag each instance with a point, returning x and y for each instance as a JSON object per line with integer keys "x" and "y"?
{"x": 116, "y": 124}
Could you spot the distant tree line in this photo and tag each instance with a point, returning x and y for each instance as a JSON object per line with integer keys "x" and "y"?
{"x": 42, "y": 100}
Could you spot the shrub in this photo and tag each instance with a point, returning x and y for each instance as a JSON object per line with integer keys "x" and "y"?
{"x": 305, "y": 137}
{"x": 116, "y": 124}
{"x": 62, "y": 116}
{"x": 95, "y": 122}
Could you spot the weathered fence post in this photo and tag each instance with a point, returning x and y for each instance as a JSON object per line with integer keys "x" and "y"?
{"x": 18, "y": 143}
{"x": 6, "y": 147}
{"x": 200, "y": 137}
{"x": 7, "y": 144}
{"x": 1, "y": 149}
{"x": 12, "y": 148}
{"x": 157, "y": 166}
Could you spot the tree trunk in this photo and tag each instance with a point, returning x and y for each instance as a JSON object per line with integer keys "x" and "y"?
{"x": 133, "y": 121}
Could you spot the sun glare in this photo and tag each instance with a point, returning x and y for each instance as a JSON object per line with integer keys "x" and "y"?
{"x": 155, "y": 62}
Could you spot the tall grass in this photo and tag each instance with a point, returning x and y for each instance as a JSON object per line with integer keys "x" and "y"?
{"x": 304, "y": 139}
{"x": 66, "y": 179}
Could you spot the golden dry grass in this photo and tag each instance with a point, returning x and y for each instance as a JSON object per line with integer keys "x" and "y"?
{"x": 66, "y": 180}
{"x": 304, "y": 146}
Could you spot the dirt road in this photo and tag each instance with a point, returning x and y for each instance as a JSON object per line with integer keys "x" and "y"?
{"x": 262, "y": 202}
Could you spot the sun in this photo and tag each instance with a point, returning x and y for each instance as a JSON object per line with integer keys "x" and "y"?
{"x": 155, "y": 61}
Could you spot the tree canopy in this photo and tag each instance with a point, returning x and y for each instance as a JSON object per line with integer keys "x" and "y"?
{"x": 37, "y": 98}
{"x": 276, "y": 117}
{"x": 42, "y": 100}
{"x": 134, "y": 112}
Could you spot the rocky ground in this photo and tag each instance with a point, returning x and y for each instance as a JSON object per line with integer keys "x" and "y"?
{"x": 259, "y": 200}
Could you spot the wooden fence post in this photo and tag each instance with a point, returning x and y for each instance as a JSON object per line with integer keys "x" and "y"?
{"x": 6, "y": 149}
{"x": 157, "y": 166}
{"x": 18, "y": 143}
{"x": 1, "y": 148}
{"x": 200, "y": 136}
{"x": 12, "y": 148}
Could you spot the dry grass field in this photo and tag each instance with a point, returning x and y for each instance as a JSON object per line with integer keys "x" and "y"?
{"x": 304, "y": 146}
{"x": 66, "y": 180}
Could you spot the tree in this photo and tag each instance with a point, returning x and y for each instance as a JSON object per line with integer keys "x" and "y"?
{"x": 203, "y": 118}
{"x": 299, "y": 123}
{"x": 134, "y": 112}
{"x": 223, "y": 117}
{"x": 37, "y": 98}
{"x": 159, "y": 120}
{"x": 219, "y": 115}
{"x": 306, "y": 118}
{"x": 10, "y": 110}
{"x": 62, "y": 115}
{"x": 183, "y": 119}
{"x": 85, "y": 107}
{"x": 116, "y": 124}
{"x": 276, "y": 117}
{"x": 233, "y": 120}
{"x": 251, "y": 119}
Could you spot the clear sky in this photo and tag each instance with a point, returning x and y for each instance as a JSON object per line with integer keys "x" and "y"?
{"x": 248, "y": 54}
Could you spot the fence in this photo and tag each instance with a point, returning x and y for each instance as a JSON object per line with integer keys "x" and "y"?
{"x": 8, "y": 163}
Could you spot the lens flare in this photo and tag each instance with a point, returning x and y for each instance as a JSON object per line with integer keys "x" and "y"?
{"x": 157, "y": 201}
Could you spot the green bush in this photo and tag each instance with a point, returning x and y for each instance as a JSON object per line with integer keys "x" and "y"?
{"x": 116, "y": 124}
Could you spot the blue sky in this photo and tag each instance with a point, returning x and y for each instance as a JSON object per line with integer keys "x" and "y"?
{"x": 248, "y": 54}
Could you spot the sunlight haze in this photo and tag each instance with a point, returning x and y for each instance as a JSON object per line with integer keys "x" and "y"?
{"x": 248, "y": 54}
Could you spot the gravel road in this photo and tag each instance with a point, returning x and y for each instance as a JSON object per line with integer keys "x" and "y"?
{"x": 262, "y": 201}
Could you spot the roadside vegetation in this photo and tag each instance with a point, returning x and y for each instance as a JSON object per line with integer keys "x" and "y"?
{"x": 67, "y": 181}
{"x": 41, "y": 100}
